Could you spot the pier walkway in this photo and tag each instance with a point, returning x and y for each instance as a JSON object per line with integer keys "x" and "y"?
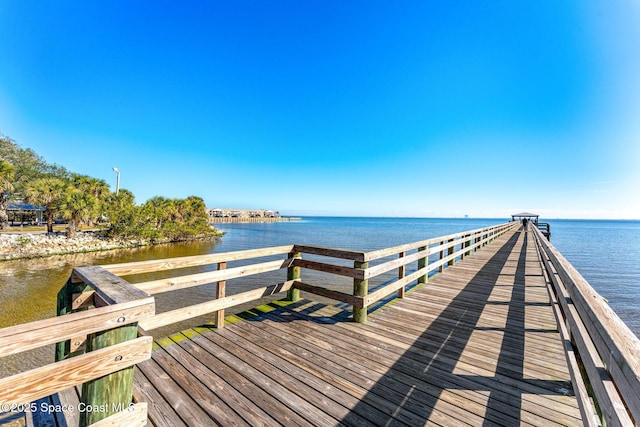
{"x": 486, "y": 327}
{"x": 477, "y": 345}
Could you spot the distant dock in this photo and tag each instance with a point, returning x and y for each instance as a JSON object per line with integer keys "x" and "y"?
{"x": 230, "y": 215}
{"x": 230, "y": 220}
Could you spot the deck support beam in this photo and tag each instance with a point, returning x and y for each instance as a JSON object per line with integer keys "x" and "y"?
{"x": 221, "y": 289}
{"x": 293, "y": 273}
{"x": 360, "y": 289}
{"x": 422, "y": 263}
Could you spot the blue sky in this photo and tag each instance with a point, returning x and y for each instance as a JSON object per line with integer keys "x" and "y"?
{"x": 336, "y": 108}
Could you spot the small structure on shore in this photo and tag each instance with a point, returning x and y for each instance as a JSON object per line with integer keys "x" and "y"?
{"x": 25, "y": 213}
{"x": 242, "y": 213}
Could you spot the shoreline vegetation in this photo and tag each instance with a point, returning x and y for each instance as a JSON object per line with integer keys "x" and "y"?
{"x": 40, "y": 192}
{"x": 29, "y": 245}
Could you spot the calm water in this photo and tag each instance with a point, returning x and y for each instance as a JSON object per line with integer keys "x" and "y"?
{"x": 607, "y": 253}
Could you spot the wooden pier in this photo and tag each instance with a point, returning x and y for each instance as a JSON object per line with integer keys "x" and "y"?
{"x": 485, "y": 327}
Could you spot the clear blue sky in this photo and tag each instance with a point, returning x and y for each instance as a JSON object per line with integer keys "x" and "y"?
{"x": 336, "y": 107}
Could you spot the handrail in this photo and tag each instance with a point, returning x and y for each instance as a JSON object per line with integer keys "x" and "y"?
{"x": 609, "y": 350}
{"x": 139, "y": 267}
{"x": 101, "y": 314}
{"x": 455, "y": 245}
{"x": 111, "y": 347}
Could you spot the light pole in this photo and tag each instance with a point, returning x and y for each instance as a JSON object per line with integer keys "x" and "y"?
{"x": 118, "y": 181}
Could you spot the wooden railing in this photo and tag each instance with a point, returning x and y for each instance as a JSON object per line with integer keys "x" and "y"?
{"x": 450, "y": 248}
{"x": 96, "y": 348}
{"x": 369, "y": 265}
{"x": 100, "y": 315}
{"x": 603, "y": 353}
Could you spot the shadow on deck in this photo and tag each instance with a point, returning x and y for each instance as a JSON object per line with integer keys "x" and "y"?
{"x": 477, "y": 345}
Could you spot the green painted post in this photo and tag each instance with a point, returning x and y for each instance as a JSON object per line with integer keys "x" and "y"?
{"x": 65, "y": 306}
{"x": 422, "y": 263}
{"x": 293, "y": 273}
{"x": 360, "y": 289}
{"x": 111, "y": 393}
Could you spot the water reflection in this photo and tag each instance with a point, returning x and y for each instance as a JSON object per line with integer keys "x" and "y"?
{"x": 28, "y": 288}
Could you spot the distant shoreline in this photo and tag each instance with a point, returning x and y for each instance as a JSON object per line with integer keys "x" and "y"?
{"x": 232, "y": 220}
{"x": 15, "y": 246}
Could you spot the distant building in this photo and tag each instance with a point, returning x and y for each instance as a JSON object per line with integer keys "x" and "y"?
{"x": 241, "y": 213}
{"x": 24, "y": 213}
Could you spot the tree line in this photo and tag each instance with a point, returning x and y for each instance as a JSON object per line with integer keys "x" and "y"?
{"x": 84, "y": 200}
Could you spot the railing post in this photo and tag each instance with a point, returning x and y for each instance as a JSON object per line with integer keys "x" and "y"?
{"x": 450, "y": 251}
{"x": 401, "y": 272}
{"x": 111, "y": 393}
{"x": 441, "y": 268}
{"x": 113, "y": 390}
{"x": 65, "y": 306}
{"x": 422, "y": 263}
{"x": 360, "y": 289}
{"x": 467, "y": 243}
{"x": 221, "y": 288}
{"x": 293, "y": 273}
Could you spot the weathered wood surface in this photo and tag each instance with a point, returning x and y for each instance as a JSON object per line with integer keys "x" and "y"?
{"x": 476, "y": 345}
{"x": 15, "y": 339}
{"x": 18, "y": 389}
{"x": 192, "y": 261}
{"x": 609, "y": 351}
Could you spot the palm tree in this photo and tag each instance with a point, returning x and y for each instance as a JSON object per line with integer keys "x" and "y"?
{"x": 7, "y": 174}
{"x": 77, "y": 207}
{"x": 95, "y": 187}
{"x": 47, "y": 192}
{"x": 159, "y": 209}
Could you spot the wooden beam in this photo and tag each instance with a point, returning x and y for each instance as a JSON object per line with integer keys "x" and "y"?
{"x": 380, "y": 293}
{"x": 422, "y": 263}
{"x": 392, "y": 265}
{"x": 191, "y": 280}
{"x": 135, "y": 415}
{"x": 37, "y": 383}
{"x": 108, "y": 286}
{"x": 114, "y": 390}
{"x": 180, "y": 314}
{"x": 401, "y": 273}
{"x": 360, "y": 289}
{"x": 139, "y": 267}
{"x": 330, "y": 252}
{"x": 330, "y": 268}
{"x": 221, "y": 289}
{"x": 328, "y": 293}
{"x": 293, "y": 273}
{"x": 28, "y": 336}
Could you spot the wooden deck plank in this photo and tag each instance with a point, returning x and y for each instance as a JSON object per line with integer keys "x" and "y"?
{"x": 202, "y": 370}
{"x": 438, "y": 371}
{"x": 346, "y": 366}
{"x": 218, "y": 411}
{"x": 263, "y": 399}
{"x": 283, "y": 387}
{"x": 478, "y": 344}
{"x": 180, "y": 402}
{"x": 376, "y": 369}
